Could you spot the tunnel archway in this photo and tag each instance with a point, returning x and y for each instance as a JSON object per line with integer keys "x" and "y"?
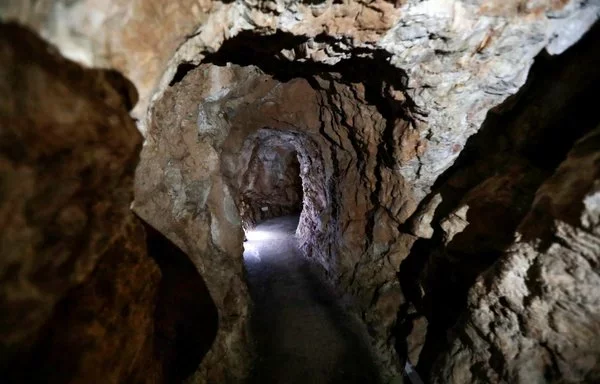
{"x": 362, "y": 133}
{"x": 271, "y": 183}
{"x": 341, "y": 121}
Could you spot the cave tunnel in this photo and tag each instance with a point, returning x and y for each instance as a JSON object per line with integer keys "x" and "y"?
{"x": 271, "y": 186}
{"x": 299, "y": 192}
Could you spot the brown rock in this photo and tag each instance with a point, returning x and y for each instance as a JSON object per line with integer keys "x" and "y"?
{"x": 68, "y": 150}
{"x": 544, "y": 290}
{"x": 82, "y": 299}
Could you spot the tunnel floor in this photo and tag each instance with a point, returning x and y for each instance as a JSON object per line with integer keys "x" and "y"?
{"x": 302, "y": 333}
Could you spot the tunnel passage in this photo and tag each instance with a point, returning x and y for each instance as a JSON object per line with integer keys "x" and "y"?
{"x": 271, "y": 184}
{"x": 351, "y": 126}
{"x": 354, "y": 127}
{"x": 302, "y": 332}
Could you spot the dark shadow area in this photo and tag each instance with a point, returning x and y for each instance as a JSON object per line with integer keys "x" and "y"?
{"x": 91, "y": 329}
{"x": 520, "y": 144}
{"x": 186, "y": 318}
{"x": 302, "y": 332}
{"x": 182, "y": 70}
{"x": 366, "y": 65}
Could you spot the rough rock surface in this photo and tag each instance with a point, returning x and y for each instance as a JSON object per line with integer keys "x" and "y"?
{"x": 462, "y": 57}
{"x": 489, "y": 196}
{"x": 180, "y": 191}
{"x": 82, "y": 299}
{"x": 390, "y": 91}
{"x": 65, "y": 187}
{"x": 535, "y": 316}
{"x": 338, "y": 165}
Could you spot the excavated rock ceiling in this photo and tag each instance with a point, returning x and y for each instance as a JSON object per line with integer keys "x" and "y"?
{"x": 373, "y": 104}
{"x": 461, "y": 57}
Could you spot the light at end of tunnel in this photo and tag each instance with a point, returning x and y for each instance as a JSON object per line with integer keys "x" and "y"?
{"x": 257, "y": 235}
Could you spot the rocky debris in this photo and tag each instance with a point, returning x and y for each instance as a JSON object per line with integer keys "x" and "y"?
{"x": 82, "y": 299}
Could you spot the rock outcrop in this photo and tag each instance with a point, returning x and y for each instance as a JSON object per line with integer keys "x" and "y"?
{"x": 69, "y": 151}
{"x": 82, "y": 298}
{"x": 490, "y": 196}
{"x": 535, "y": 316}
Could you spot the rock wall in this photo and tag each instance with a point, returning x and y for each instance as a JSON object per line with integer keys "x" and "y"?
{"x": 66, "y": 189}
{"x": 469, "y": 222}
{"x": 535, "y": 316}
{"x": 82, "y": 300}
{"x": 182, "y": 194}
{"x": 339, "y": 166}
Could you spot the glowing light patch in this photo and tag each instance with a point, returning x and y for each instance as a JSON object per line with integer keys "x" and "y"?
{"x": 251, "y": 252}
{"x": 258, "y": 235}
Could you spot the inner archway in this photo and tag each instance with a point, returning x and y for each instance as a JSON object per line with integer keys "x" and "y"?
{"x": 301, "y": 331}
{"x": 271, "y": 184}
{"x": 340, "y": 122}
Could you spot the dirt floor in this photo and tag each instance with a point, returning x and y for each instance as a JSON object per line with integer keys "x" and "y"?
{"x": 303, "y": 334}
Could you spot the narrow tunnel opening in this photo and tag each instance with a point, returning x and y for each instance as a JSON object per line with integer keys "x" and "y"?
{"x": 271, "y": 184}
{"x": 331, "y": 129}
{"x": 260, "y": 138}
{"x": 297, "y": 323}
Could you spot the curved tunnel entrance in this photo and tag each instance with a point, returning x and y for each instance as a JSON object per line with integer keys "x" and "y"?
{"x": 300, "y": 330}
{"x": 226, "y": 135}
{"x": 271, "y": 184}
